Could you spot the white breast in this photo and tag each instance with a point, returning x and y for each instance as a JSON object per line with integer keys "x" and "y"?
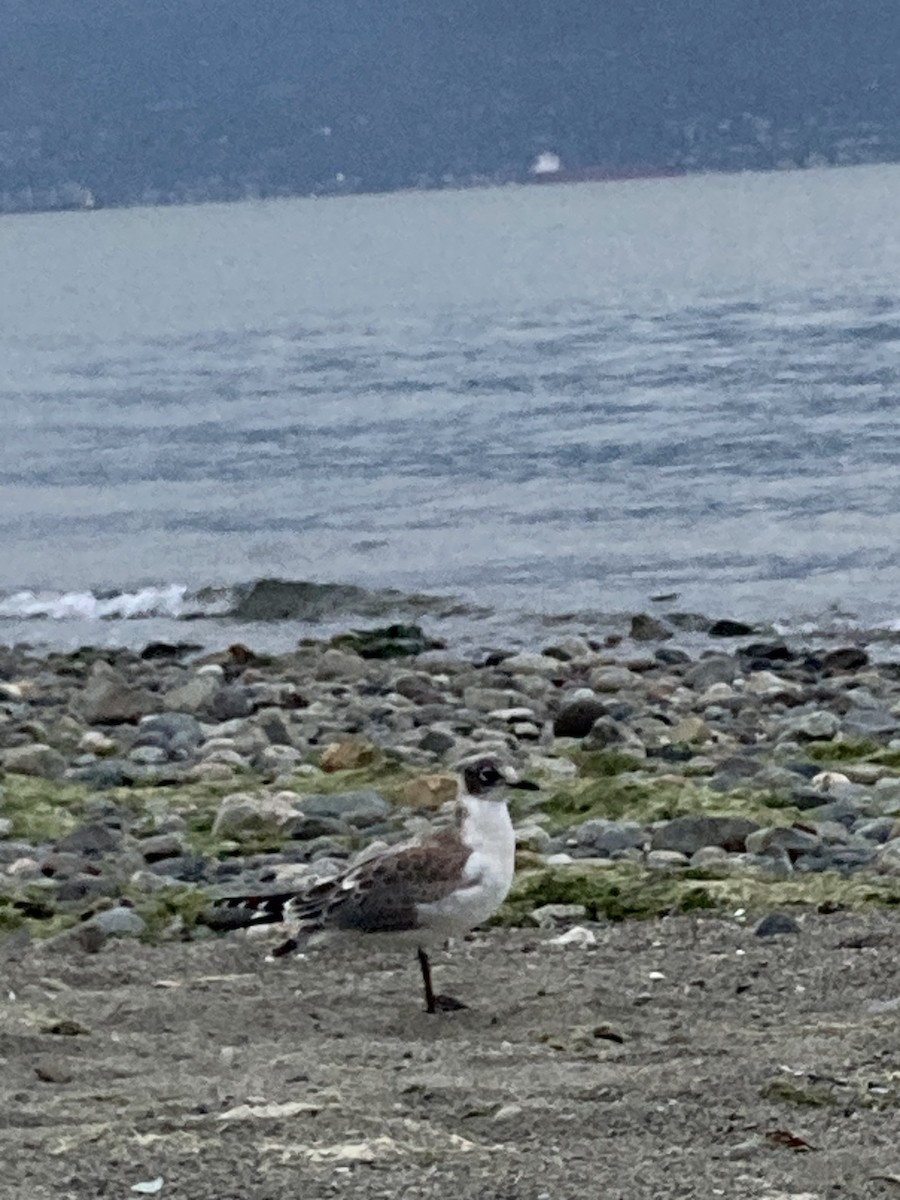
{"x": 487, "y": 876}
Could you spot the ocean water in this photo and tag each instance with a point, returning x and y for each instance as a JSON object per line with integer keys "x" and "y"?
{"x": 552, "y": 403}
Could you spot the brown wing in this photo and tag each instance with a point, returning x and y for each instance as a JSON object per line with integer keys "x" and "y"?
{"x": 380, "y": 895}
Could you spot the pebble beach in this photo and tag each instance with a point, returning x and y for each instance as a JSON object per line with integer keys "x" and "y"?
{"x": 138, "y": 786}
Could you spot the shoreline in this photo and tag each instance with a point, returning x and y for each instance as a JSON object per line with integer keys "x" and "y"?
{"x": 752, "y": 777}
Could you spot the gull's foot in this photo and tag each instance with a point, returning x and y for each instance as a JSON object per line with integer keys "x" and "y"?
{"x": 446, "y": 1004}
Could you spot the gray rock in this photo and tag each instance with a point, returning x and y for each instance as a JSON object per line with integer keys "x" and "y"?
{"x": 870, "y": 722}
{"x": 161, "y": 845}
{"x": 276, "y": 758}
{"x": 148, "y": 754}
{"x": 35, "y": 759}
{"x": 820, "y": 725}
{"x": 91, "y": 841}
{"x": 776, "y": 924}
{"x": 662, "y": 859}
{"x": 436, "y": 741}
{"x": 186, "y": 868}
{"x": 230, "y": 702}
{"x": 846, "y": 658}
{"x": 109, "y": 773}
{"x": 271, "y": 721}
{"x": 878, "y": 830}
{"x": 6, "y": 827}
{"x": 418, "y": 688}
{"x": 174, "y": 730}
{"x": 608, "y": 837}
{"x": 837, "y": 858}
{"x": 775, "y": 839}
{"x": 534, "y": 838}
{"x": 887, "y": 861}
{"x": 80, "y": 888}
{"x": 547, "y": 916}
{"x": 242, "y": 816}
{"x": 118, "y": 922}
{"x": 527, "y": 663}
{"x": 688, "y": 834}
{"x": 193, "y": 696}
{"x": 613, "y": 679}
{"x": 716, "y": 668}
{"x": 108, "y": 700}
{"x": 645, "y": 628}
{"x": 604, "y": 732}
{"x": 709, "y": 856}
{"x": 576, "y": 719}
{"x": 485, "y": 699}
{"x": 354, "y": 807}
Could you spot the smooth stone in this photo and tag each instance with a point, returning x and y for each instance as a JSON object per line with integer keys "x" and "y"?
{"x": 688, "y": 834}
{"x": 233, "y": 700}
{"x": 534, "y": 838}
{"x": 730, "y": 628}
{"x": 645, "y": 628}
{"x": 91, "y": 841}
{"x": 662, "y": 859}
{"x": 348, "y": 755}
{"x": 709, "y": 856}
{"x": 272, "y": 723}
{"x": 605, "y": 732}
{"x": 35, "y": 759}
{"x": 242, "y": 815}
{"x": 548, "y": 915}
{"x": 887, "y": 861}
{"x": 879, "y": 830}
{"x": 148, "y": 754}
{"x": 436, "y": 741}
{"x": 118, "y": 922}
{"x": 193, "y": 696}
{"x": 847, "y": 658}
{"x": 107, "y": 773}
{"x": 870, "y": 722}
{"x": 717, "y": 668}
{"x": 607, "y": 837}
{"x": 277, "y": 758}
{"x": 161, "y": 845}
{"x": 347, "y": 806}
{"x": 776, "y": 924}
{"x": 812, "y": 726}
{"x": 92, "y": 741}
{"x": 776, "y": 838}
{"x": 613, "y": 679}
{"x": 428, "y": 791}
{"x": 173, "y": 729}
{"x": 576, "y": 718}
{"x": 107, "y": 699}
{"x": 6, "y": 827}
{"x": 486, "y": 699}
{"x": 528, "y": 663}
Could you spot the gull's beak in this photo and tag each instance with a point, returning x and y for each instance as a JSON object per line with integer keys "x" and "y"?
{"x": 512, "y": 780}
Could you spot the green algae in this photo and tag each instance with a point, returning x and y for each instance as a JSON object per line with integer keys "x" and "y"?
{"x": 41, "y": 810}
{"x": 645, "y": 799}
{"x": 621, "y": 891}
{"x": 852, "y": 750}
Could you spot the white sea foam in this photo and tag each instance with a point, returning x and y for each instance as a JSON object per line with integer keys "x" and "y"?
{"x": 166, "y": 601}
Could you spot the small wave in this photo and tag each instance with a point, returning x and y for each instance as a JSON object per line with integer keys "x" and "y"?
{"x": 166, "y": 601}
{"x": 263, "y": 600}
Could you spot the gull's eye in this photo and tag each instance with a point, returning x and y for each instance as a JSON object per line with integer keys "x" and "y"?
{"x": 488, "y": 776}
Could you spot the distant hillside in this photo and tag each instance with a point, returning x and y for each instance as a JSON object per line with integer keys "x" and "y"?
{"x": 166, "y": 101}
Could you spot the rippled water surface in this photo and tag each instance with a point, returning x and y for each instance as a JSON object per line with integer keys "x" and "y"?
{"x": 545, "y": 399}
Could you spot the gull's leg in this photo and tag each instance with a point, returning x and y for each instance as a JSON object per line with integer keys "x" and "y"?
{"x": 433, "y": 1003}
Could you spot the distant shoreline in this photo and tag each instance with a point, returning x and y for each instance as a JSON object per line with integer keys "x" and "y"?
{"x": 640, "y": 173}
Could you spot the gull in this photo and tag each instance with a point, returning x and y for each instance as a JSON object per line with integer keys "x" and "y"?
{"x": 433, "y": 887}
